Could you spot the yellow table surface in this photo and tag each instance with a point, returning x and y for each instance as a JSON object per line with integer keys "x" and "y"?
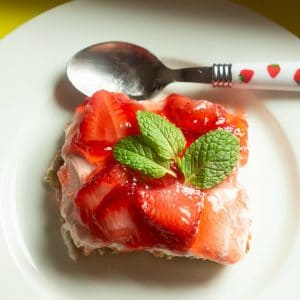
{"x": 15, "y": 12}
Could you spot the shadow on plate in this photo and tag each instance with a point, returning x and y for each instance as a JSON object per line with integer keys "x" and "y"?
{"x": 278, "y": 95}
{"x": 66, "y": 95}
{"x": 142, "y": 268}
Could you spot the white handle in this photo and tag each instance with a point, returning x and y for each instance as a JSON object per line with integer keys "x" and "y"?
{"x": 271, "y": 76}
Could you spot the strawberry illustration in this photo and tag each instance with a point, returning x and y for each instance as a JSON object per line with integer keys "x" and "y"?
{"x": 297, "y": 76}
{"x": 246, "y": 75}
{"x": 273, "y": 70}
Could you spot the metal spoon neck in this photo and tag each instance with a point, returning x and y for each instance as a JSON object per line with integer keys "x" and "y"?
{"x": 199, "y": 74}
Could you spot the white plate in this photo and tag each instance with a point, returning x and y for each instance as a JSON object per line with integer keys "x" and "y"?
{"x": 36, "y": 103}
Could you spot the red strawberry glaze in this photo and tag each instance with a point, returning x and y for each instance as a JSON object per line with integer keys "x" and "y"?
{"x": 197, "y": 117}
{"x": 122, "y": 207}
{"x": 194, "y": 117}
{"x": 102, "y": 121}
{"x": 118, "y": 219}
{"x": 172, "y": 212}
{"x": 107, "y": 117}
{"x": 94, "y": 192}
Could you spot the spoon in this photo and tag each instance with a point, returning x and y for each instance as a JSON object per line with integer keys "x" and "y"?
{"x": 133, "y": 70}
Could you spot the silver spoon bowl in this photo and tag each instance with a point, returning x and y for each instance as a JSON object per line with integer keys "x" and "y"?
{"x": 126, "y": 68}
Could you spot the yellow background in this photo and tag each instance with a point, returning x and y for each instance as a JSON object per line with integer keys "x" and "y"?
{"x": 14, "y": 13}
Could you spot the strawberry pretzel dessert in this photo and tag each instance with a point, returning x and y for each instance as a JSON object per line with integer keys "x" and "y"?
{"x": 156, "y": 176}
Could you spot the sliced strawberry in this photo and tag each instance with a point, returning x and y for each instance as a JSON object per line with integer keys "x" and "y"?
{"x": 239, "y": 127}
{"x": 196, "y": 117}
{"x": 104, "y": 119}
{"x": 115, "y": 217}
{"x": 173, "y": 212}
{"x": 92, "y": 194}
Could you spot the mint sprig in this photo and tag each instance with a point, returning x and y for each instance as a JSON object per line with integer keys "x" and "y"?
{"x": 165, "y": 138}
{"x": 206, "y": 163}
{"x": 210, "y": 159}
{"x": 134, "y": 152}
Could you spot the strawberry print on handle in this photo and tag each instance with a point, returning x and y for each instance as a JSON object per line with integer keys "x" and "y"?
{"x": 273, "y": 70}
{"x": 297, "y": 77}
{"x": 246, "y": 75}
{"x": 283, "y": 76}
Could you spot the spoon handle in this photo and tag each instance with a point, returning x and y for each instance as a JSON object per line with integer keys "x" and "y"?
{"x": 283, "y": 76}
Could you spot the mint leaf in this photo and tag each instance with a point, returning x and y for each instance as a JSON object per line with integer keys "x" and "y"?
{"x": 165, "y": 138}
{"x": 134, "y": 152}
{"x": 210, "y": 159}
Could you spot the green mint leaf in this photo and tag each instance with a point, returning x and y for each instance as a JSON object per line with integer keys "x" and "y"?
{"x": 165, "y": 138}
{"x": 210, "y": 159}
{"x": 134, "y": 152}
